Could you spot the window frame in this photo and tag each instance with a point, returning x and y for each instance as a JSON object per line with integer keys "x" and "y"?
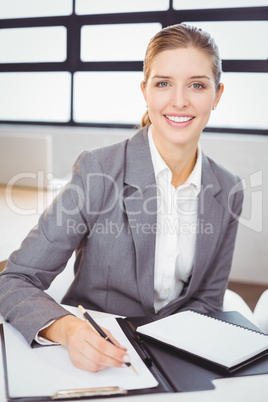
{"x": 73, "y": 63}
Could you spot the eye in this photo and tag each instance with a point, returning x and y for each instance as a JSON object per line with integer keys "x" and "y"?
{"x": 162, "y": 84}
{"x": 197, "y": 85}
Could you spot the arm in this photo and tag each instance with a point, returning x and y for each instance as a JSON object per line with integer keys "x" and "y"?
{"x": 42, "y": 256}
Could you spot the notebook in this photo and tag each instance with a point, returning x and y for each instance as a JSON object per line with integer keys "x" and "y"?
{"x": 226, "y": 345}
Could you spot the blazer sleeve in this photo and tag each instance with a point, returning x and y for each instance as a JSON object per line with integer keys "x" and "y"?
{"x": 46, "y": 250}
{"x": 209, "y": 295}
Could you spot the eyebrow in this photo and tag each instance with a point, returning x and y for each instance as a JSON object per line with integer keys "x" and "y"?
{"x": 193, "y": 77}
{"x": 200, "y": 76}
{"x": 161, "y": 76}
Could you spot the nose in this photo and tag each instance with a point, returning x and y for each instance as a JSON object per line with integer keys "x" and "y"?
{"x": 180, "y": 98}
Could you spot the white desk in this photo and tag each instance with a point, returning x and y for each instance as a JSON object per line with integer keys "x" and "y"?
{"x": 241, "y": 389}
{"x": 20, "y": 209}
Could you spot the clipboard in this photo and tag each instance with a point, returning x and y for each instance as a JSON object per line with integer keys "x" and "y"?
{"x": 46, "y": 373}
{"x": 173, "y": 371}
{"x": 184, "y": 372}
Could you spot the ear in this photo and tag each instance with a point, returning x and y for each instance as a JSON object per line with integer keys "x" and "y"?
{"x": 218, "y": 95}
{"x": 143, "y": 89}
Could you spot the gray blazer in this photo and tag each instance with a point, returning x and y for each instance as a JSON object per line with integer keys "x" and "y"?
{"x": 107, "y": 213}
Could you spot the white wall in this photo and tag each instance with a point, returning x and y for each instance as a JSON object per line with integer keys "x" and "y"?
{"x": 244, "y": 155}
{"x": 247, "y": 156}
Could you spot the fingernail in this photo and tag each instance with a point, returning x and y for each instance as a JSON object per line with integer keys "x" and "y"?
{"x": 126, "y": 358}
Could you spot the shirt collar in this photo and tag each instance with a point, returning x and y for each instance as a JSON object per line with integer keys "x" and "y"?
{"x": 160, "y": 165}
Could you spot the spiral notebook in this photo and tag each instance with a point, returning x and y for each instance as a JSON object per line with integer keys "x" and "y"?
{"x": 226, "y": 345}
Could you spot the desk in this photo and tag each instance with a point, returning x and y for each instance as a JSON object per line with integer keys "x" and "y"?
{"x": 240, "y": 389}
{"x": 20, "y": 209}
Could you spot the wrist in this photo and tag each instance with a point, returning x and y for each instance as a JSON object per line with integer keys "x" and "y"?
{"x": 58, "y": 331}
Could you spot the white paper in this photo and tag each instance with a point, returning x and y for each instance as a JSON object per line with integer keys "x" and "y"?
{"x": 46, "y": 370}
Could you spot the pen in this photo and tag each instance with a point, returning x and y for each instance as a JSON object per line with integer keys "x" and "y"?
{"x": 100, "y": 332}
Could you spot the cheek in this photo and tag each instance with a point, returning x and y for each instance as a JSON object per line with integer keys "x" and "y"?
{"x": 205, "y": 105}
{"x": 156, "y": 103}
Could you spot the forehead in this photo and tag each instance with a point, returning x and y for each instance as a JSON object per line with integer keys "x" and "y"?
{"x": 182, "y": 61}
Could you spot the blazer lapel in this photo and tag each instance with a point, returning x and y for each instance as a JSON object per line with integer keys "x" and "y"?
{"x": 210, "y": 215}
{"x": 141, "y": 209}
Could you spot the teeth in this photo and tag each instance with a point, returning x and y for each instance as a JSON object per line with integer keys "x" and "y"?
{"x": 179, "y": 119}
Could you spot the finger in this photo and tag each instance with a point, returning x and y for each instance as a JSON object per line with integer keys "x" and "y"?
{"x": 90, "y": 351}
{"x": 105, "y": 353}
{"x": 114, "y": 340}
{"x": 80, "y": 361}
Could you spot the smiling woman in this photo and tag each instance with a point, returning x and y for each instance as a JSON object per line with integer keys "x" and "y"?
{"x": 180, "y": 93}
{"x": 153, "y": 220}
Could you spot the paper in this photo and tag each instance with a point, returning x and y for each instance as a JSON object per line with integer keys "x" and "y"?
{"x": 46, "y": 370}
{"x": 206, "y": 337}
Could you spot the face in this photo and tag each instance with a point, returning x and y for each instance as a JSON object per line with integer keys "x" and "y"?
{"x": 180, "y": 94}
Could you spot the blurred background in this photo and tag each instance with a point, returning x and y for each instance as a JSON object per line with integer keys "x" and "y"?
{"x": 70, "y": 72}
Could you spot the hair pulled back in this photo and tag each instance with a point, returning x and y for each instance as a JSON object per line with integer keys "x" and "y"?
{"x": 181, "y": 36}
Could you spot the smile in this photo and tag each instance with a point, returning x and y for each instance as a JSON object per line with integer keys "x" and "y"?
{"x": 178, "y": 119}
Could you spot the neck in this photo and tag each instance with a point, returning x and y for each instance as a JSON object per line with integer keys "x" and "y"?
{"x": 180, "y": 159}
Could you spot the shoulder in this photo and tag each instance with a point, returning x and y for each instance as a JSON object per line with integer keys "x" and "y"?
{"x": 229, "y": 186}
{"x": 108, "y": 158}
{"x": 223, "y": 175}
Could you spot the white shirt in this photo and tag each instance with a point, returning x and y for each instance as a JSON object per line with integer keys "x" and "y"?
{"x": 177, "y": 226}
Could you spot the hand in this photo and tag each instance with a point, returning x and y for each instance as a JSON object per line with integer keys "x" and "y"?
{"x": 87, "y": 350}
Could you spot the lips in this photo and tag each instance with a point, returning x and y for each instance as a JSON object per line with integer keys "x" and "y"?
{"x": 179, "y": 121}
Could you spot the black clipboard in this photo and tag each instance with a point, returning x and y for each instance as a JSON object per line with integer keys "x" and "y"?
{"x": 183, "y": 372}
{"x": 174, "y": 371}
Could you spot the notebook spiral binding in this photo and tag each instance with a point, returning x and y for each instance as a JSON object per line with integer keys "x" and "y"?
{"x": 230, "y": 323}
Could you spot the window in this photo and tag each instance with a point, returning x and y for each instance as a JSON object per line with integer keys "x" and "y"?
{"x": 238, "y": 40}
{"x": 35, "y": 96}
{"x": 79, "y": 62}
{"x": 116, "y": 42}
{"x": 244, "y": 93}
{"x": 31, "y": 45}
{"x": 34, "y": 8}
{"x": 207, "y": 4}
{"x": 119, "y": 6}
{"x": 95, "y": 94}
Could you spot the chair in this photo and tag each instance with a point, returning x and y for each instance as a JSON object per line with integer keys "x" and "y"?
{"x": 233, "y": 302}
{"x": 26, "y": 158}
{"x": 261, "y": 312}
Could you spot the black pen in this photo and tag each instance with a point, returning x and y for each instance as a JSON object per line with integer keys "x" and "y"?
{"x": 100, "y": 332}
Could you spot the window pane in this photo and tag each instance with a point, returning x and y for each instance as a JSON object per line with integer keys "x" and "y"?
{"x": 35, "y": 96}
{"x": 197, "y": 4}
{"x": 108, "y": 97}
{"x": 34, "y": 8}
{"x": 29, "y": 45}
{"x": 243, "y": 103}
{"x": 238, "y": 39}
{"x": 119, "y": 6}
{"x": 116, "y": 42}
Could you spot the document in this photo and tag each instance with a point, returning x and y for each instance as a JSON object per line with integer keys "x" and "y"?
{"x": 42, "y": 371}
{"x": 217, "y": 341}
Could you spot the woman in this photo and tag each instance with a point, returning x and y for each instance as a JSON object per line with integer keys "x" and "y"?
{"x": 152, "y": 219}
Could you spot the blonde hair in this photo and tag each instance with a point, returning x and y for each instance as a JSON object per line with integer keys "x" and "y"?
{"x": 181, "y": 36}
